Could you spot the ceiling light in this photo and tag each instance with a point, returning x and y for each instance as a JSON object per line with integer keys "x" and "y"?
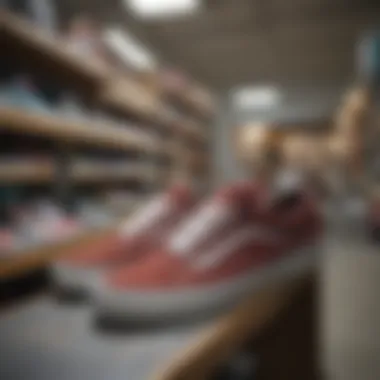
{"x": 256, "y": 97}
{"x": 129, "y": 49}
{"x": 162, "y": 8}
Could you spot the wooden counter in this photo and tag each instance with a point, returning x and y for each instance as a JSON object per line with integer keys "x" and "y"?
{"x": 245, "y": 323}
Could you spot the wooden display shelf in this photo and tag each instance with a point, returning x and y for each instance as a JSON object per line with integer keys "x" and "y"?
{"x": 192, "y": 130}
{"x": 188, "y": 99}
{"x": 217, "y": 343}
{"x": 186, "y": 94}
{"x": 81, "y": 172}
{"x": 89, "y": 172}
{"x": 200, "y": 102}
{"x": 38, "y": 257}
{"x": 130, "y": 98}
{"x": 45, "y": 51}
{"x": 69, "y": 131}
{"x": 47, "y": 54}
{"x": 26, "y": 172}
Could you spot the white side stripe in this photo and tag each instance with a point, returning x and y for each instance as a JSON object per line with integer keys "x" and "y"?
{"x": 207, "y": 219}
{"x": 155, "y": 210}
{"x": 231, "y": 244}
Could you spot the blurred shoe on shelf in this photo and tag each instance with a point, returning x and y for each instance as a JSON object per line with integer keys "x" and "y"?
{"x": 94, "y": 214}
{"x": 72, "y": 108}
{"x": 123, "y": 202}
{"x": 42, "y": 223}
{"x": 35, "y": 225}
{"x": 228, "y": 248}
{"x": 20, "y": 93}
{"x": 142, "y": 232}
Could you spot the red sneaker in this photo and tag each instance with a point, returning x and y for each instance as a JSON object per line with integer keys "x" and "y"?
{"x": 190, "y": 276}
{"x": 81, "y": 267}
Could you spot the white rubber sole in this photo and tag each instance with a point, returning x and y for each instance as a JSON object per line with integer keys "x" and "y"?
{"x": 129, "y": 306}
{"x": 76, "y": 279}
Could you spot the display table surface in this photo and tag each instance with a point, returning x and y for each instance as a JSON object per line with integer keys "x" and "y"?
{"x": 50, "y": 339}
{"x": 45, "y": 339}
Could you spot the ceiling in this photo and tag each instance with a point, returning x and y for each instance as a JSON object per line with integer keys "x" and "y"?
{"x": 232, "y": 42}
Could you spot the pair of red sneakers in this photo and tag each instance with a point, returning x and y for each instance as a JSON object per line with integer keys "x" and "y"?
{"x": 81, "y": 267}
{"x": 228, "y": 245}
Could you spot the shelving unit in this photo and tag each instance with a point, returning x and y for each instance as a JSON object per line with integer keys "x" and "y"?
{"x": 26, "y": 172}
{"x": 188, "y": 98}
{"x": 127, "y": 96}
{"x": 85, "y": 172}
{"x": 113, "y": 90}
{"x": 179, "y": 141}
{"x": 69, "y": 131}
{"x": 43, "y": 50}
{"x": 80, "y": 172}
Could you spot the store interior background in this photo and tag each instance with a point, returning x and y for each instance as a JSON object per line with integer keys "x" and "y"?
{"x": 307, "y": 49}
{"x": 303, "y": 56}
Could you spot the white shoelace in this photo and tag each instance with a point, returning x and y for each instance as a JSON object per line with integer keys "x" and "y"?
{"x": 151, "y": 214}
{"x": 209, "y": 218}
{"x": 240, "y": 239}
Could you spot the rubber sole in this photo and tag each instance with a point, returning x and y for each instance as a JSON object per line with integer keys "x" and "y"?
{"x": 73, "y": 280}
{"x": 154, "y": 306}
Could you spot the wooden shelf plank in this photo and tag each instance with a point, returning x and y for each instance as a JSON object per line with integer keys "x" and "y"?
{"x": 39, "y": 257}
{"x": 129, "y": 97}
{"x": 123, "y": 94}
{"x": 195, "y": 131}
{"x": 199, "y": 101}
{"x": 81, "y": 172}
{"x": 69, "y": 131}
{"x": 98, "y": 172}
{"x": 26, "y": 172}
{"x": 112, "y": 90}
{"x": 184, "y": 101}
{"x": 218, "y": 342}
{"x": 186, "y": 95}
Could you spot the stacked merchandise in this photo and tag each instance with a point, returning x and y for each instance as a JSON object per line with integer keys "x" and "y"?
{"x": 32, "y": 166}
